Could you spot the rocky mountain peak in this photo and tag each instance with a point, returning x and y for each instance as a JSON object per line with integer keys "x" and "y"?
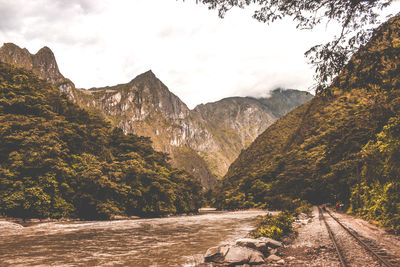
{"x": 45, "y": 51}
{"x": 43, "y": 63}
{"x": 147, "y": 76}
{"x": 13, "y": 54}
{"x": 148, "y": 73}
{"x": 203, "y": 141}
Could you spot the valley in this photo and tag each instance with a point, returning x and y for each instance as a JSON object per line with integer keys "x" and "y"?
{"x": 122, "y": 174}
{"x": 203, "y": 141}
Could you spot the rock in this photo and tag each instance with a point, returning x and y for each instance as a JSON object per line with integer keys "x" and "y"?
{"x": 290, "y": 258}
{"x": 253, "y": 244}
{"x": 270, "y": 242}
{"x": 216, "y": 254}
{"x": 5, "y": 225}
{"x": 205, "y": 264}
{"x": 233, "y": 255}
{"x": 303, "y": 216}
{"x": 273, "y": 251}
{"x": 242, "y": 255}
{"x": 273, "y": 258}
{"x": 282, "y": 261}
{"x": 119, "y": 217}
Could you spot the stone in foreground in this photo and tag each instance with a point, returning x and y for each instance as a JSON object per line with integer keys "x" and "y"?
{"x": 245, "y": 251}
{"x": 273, "y": 258}
{"x": 253, "y": 244}
{"x": 233, "y": 255}
{"x": 270, "y": 242}
{"x": 216, "y": 254}
{"x": 243, "y": 255}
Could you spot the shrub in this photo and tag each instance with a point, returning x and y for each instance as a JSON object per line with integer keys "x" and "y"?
{"x": 275, "y": 227}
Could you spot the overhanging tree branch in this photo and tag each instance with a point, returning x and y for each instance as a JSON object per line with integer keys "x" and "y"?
{"x": 357, "y": 19}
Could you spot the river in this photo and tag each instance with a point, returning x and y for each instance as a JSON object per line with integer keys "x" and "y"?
{"x": 172, "y": 241}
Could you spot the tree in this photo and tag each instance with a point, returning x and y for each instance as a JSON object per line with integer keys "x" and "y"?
{"x": 357, "y": 19}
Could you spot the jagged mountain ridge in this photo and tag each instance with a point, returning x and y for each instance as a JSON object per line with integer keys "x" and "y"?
{"x": 216, "y": 131}
{"x": 43, "y": 64}
{"x": 203, "y": 141}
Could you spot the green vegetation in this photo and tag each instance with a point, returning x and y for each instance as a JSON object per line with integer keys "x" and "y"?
{"x": 376, "y": 197}
{"x": 341, "y": 146}
{"x": 279, "y": 226}
{"x": 58, "y": 160}
{"x": 275, "y": 227}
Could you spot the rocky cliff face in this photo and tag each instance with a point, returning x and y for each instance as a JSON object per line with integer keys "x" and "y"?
{"x": 235, "y": 122}
{"x": 43, "y": 64}
{"x": 203, "y": 141}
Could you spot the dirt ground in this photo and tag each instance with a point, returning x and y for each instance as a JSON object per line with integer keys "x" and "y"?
{"x": 312, "y": 245}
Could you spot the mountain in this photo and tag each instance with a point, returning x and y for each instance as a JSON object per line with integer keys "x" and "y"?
{"x": 203, "y": 141}
{"x": 236, "y": 121}
{"x": 146, "y": 107}
{"x": 342, "y": 146}
{"x": 59, "y": 160}
{"x": 43, "y": 64}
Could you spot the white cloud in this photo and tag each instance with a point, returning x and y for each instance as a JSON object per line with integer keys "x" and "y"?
{"x": 200, "y": 57}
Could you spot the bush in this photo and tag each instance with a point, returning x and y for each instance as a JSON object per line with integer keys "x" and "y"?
{"x": 303, "y": 206}
{"x": 275, "y": 227}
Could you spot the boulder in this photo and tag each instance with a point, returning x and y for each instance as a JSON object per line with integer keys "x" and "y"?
{"x": 119, "y": 217}
{"x": 282, "y": 261}
{"x": 5, "y": 225}
{"x": 216, "y": 254}
{"x": 243, "y": 255}
{"x": 233, "y": 255}
{"x": 303, "y": 216}
{"x": 273, "y": 251}
{"x": 256, "y": 244}
{"x": 270, "y": 242}
{"x": 273, "y": 258}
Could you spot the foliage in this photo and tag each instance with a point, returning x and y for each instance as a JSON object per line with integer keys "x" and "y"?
{"x": 377, "y": 196}
{"x": 274, "y": 227}
{"x": 337, "y": 147}
{"x": 58, "y": 160}
{"x": 356, "y": 18}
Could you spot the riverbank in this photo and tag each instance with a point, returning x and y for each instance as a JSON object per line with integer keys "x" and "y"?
{"x": 309, "y": 245}
{"x": 261, "y": 246}
{"x": 34, "y": 221}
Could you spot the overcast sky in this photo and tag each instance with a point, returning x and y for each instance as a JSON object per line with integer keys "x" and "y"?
{"x": 200, "y": 57}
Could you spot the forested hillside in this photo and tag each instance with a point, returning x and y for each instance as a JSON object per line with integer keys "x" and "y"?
{"x": 344, "y": 145}
{"x": 203, "y": 141}
{"x": 59, "y": 160}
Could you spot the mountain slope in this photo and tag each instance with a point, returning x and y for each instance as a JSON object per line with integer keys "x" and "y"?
{"x": 59, "y": 160}
{"x": 237, "y": 121}
{"x": 146, "y": 107}
{"x": 217, "y": 132}
{"x": 43, "y": 64}
{"x": 323, "y": 150}
{"x": 203, "y": 141}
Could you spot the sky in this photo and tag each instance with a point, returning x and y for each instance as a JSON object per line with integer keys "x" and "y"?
{"x": 200, "y": 57}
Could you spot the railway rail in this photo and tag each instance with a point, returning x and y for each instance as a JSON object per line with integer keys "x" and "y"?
{"x": 373, "y": 249}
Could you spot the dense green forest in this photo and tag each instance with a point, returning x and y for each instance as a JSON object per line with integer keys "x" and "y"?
{"x": 58, "y": 160}
{"x": 342, "y": 146}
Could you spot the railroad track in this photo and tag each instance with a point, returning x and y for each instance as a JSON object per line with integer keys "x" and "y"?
{"x": 378, "y": 253}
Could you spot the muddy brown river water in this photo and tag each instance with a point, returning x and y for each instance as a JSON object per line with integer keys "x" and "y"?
{"x": 173, "y": 241}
